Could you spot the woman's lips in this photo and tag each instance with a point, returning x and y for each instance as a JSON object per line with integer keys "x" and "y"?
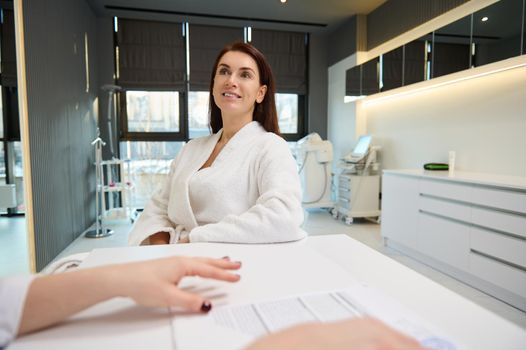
{"x": 230, "y": 95}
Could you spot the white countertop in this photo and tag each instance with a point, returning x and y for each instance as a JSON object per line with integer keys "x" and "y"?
{"x": 486, "y": 179}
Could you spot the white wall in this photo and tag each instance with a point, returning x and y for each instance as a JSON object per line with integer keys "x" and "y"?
{"x": 482, "y": 119}
{"x": 341, "y": 119}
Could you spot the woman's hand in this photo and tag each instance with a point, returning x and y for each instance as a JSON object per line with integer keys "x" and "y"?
{"x": 154, "y": 283}
{"x": 184, "y": 239}
{"x": 53, "y": 298}
{"x": 159, "y": 238}
{"x": 356, "y": 334}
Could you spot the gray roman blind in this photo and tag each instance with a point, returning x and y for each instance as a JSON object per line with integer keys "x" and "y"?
{"x": 151, "y": 55}
{"x": 8, "y": 49}
{"x": 287, "y": 55}
{"x": 205, "y": 44}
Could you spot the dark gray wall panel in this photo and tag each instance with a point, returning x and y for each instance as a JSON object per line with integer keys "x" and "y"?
{"x": 61, "y": 120}
{"x": 395, "y": 17}
{"x": 343, "y": 41}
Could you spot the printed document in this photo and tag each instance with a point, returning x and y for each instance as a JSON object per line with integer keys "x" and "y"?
{"x": 235, "y": 326}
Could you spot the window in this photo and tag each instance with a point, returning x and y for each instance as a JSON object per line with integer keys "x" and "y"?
{"x": 287, "y": 107}
{"x": 149, "y": 165}
{"x": 286, "y": 53}
{"x": 198, "y": 114}
{"x": 165, "y": 77}
{"x": 152, "y": 111}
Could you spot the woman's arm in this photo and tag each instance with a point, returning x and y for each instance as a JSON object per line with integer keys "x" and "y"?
{"x": 53, "y": 298}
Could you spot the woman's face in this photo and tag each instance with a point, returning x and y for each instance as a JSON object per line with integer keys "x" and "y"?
{"x": 236, "y": 84}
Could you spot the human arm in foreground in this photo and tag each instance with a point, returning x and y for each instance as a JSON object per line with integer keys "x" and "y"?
{"x": 153, "y": 283}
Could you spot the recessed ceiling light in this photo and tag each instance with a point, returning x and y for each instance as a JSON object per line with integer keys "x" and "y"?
{"x": 283, "y": 1}
{"x": 484, "y": 19}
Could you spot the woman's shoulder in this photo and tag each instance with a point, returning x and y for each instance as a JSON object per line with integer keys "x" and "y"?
{"x": 271, "y": 144}
{"x": 270, "y": 138}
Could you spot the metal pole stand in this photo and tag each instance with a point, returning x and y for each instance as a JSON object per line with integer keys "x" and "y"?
{"x": 100, "y": 231}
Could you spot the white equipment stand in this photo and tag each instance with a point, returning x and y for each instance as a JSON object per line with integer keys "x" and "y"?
{"x": 113, "y": 169}
{"x": 314, "y": 157}
{"x": 99, "y": 231}
{"x": 359, "y": 190}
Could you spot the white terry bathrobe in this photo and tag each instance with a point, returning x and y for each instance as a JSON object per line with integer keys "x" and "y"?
{"x": 250, "y": 194}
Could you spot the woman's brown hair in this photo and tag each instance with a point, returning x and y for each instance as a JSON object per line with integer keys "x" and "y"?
{"x": 265, "y": 112}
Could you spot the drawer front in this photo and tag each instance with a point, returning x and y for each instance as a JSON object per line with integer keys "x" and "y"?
{"x": 502, "y": 199}
{"x": 502, "y": 275}
{"x": 446, "y": 208}
{"x": 444, "y": 189}
{"x": 507, "y": 248}
{"x": 344, "y": 182}
{"x": 444, "y": 240}
{"x": 501, "y": 221}
{"x": 344, "y": 203}
{"x": 344, "y": 192}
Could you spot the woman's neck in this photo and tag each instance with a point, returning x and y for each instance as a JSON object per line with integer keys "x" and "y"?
{"x": 231, "y": 126}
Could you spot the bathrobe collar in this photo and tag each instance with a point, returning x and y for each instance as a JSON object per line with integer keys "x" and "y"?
{"x": 239, "y": 140}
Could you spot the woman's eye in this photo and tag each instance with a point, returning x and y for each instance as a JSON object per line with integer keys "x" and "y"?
{"x": 222, "y": 71}
{"x": 246, "y": 75}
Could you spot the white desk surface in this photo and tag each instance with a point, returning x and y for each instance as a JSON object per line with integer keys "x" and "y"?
{"x": 120, "y": 324}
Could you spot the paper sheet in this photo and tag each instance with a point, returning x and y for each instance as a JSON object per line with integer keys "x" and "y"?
{"x": 234, "y": 326}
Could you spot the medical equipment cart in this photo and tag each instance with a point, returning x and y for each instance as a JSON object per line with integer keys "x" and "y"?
{"x": 358, "y": 197}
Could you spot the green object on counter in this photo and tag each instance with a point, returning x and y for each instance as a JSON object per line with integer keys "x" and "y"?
{"x": 436, "y": 166}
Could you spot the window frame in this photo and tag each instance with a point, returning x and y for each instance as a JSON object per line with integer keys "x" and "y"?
{"x": 302, "y": 121}
{"x": 184, "y": 133}
{"x": 125, "y": 135}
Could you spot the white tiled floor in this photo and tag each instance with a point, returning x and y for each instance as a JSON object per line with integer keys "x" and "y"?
{"x": 14, "y": 258}
{"x": 320, "y": 222}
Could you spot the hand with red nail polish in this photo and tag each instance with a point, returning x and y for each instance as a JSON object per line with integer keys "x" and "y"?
{"x": 154, "y": 283}
{"x": 53, "y": 298}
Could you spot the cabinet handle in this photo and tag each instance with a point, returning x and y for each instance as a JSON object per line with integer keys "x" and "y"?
{"x": 502, "y": 261}
{"x": 344, "y": 189}
{"x": 345, "y": 199}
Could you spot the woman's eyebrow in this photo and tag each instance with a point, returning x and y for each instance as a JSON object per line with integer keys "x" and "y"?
{"x": 247, "y": 68}
{"x": 242, "y": 68}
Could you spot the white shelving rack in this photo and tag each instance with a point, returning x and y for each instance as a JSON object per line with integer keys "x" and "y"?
{"x": 116, "y": 185}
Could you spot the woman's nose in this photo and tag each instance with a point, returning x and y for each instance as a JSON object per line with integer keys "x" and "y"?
{"x": 231, "y": 80}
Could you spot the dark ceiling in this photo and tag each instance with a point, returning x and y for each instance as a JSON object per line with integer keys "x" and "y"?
{"x": 312, "y": 15}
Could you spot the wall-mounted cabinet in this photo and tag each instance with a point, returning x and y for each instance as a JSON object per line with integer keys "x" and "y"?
{"x": 451, "y": 48}
{"x": 491, "y": 34}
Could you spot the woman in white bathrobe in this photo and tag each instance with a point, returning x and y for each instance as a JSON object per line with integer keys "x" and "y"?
{"x": 239, "y": 184}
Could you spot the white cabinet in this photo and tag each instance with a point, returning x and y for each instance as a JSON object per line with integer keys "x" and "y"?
{"x": 471, "y": 226}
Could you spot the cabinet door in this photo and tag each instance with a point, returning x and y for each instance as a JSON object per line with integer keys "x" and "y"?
{"x": 444, "y": 240}
{"x": 400, "y": 209}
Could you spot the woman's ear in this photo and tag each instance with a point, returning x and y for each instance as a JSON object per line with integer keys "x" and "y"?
{"x": 261, "y": 93}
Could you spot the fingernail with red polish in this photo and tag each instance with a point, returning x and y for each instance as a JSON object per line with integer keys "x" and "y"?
{"x": 207, "y": 306}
